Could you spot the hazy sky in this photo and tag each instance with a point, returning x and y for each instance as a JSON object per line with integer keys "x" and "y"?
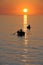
{"x": 16, "y": 6}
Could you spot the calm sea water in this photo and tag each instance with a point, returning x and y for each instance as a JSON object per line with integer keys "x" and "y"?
{"x": 15, "y": 50}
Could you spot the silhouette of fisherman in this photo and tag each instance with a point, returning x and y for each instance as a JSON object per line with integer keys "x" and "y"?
{"x": 20, "y": 33}
{"x": 28, "y": 27}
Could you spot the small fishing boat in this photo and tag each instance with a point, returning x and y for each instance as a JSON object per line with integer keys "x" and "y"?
{"x": 20, "y": 33}
{"x": 28, "y": 27}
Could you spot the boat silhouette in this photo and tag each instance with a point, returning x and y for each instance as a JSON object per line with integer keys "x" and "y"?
{"x": 20, "y": 33}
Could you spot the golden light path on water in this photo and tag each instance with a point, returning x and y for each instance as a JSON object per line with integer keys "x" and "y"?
{"x": 25, "y": 27}
{"x": 25, "y": 23}
{"x": 25, "y": 40}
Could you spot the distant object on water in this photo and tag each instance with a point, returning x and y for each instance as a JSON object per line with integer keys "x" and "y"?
{"x": 20, "y": 33}
{"x": 28, "y": 27}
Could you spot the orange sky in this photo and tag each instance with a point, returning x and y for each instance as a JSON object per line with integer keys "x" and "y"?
{"x": 17, "y": 6}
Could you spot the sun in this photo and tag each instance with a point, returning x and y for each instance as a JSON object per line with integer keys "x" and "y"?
{"x": 25, "y": 10}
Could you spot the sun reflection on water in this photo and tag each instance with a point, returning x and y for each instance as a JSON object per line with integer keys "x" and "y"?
{"x": 26, "y": 40}
{"x": 25, "y": 22}
{"x": 25, "y": 28}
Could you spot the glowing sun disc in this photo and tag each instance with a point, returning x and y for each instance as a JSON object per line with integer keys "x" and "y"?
{"x": 25, "y": 10}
